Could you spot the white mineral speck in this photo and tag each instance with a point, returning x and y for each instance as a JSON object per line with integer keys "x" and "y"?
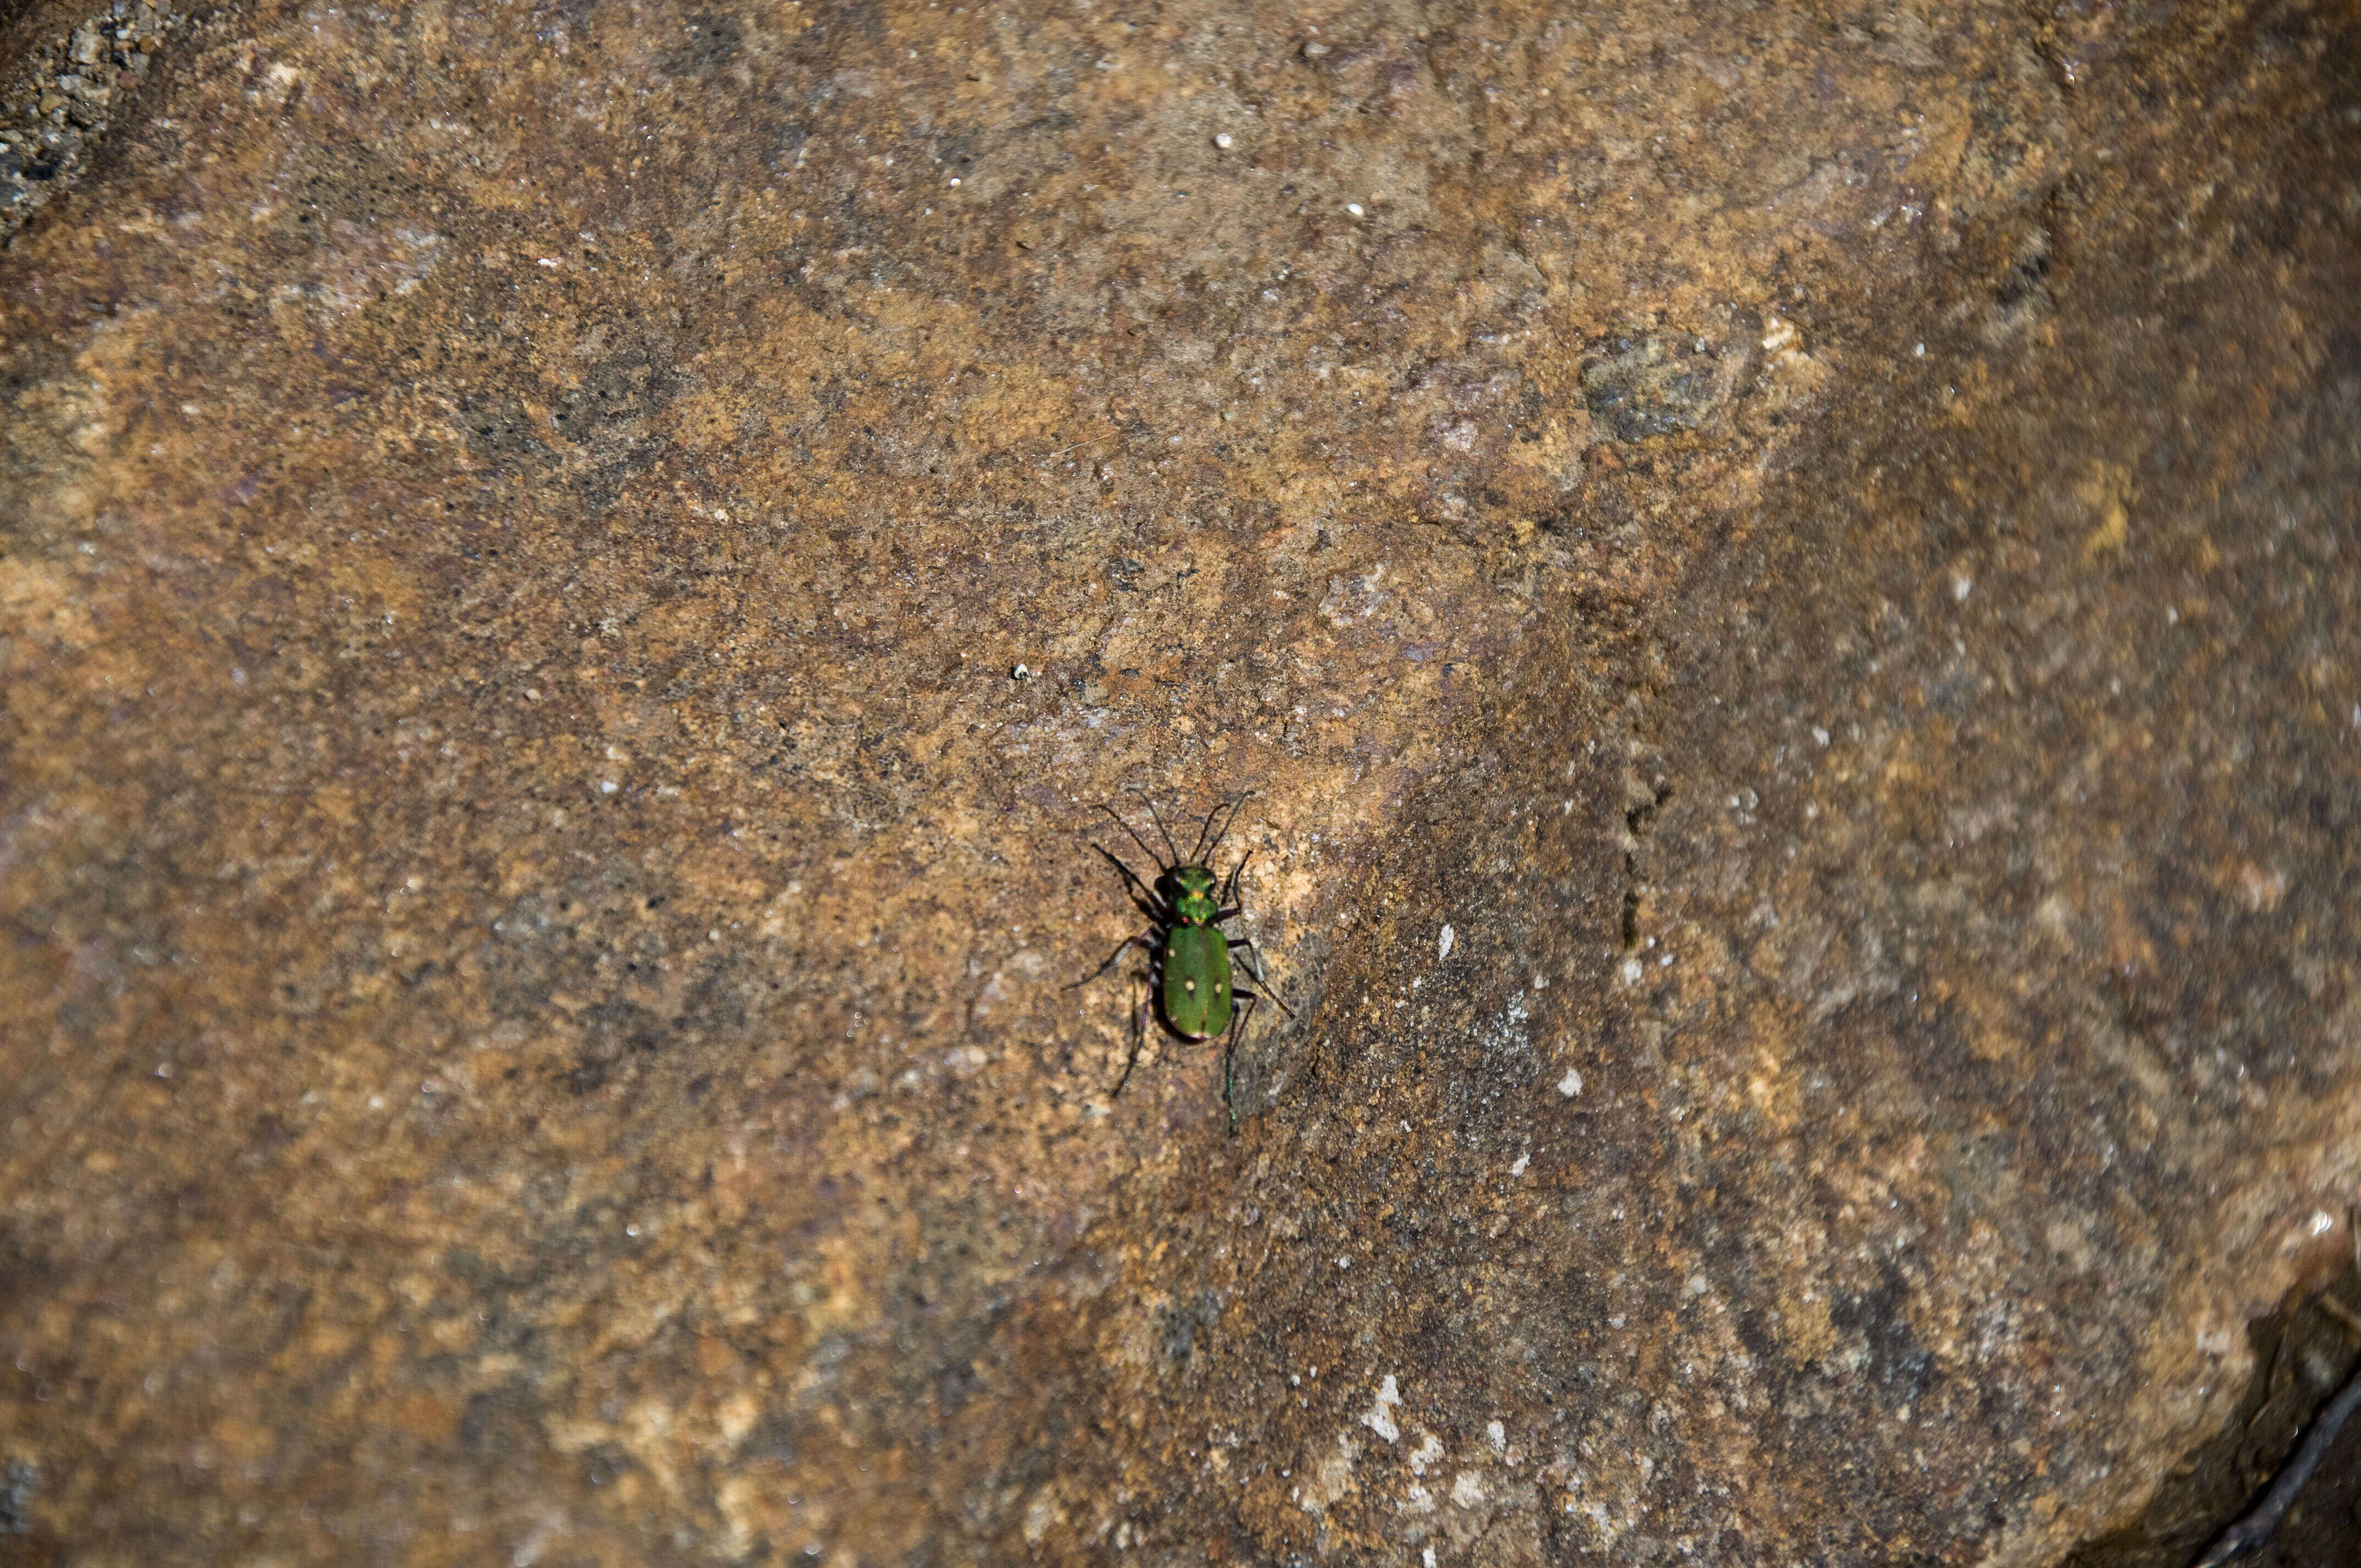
{"x": 608, "y": 786}
{"x": 1353, "y": 208}
{"x": 1519, "y": 1168}
{"x": 1223, "y": 141}
{"x": 1571, "y": 1084}
{"x": 1381, "y": 1420}
{"x": 1444, "y": 945}
{"x": 1959, "y": 587}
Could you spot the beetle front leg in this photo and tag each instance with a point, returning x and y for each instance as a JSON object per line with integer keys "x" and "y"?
{"x": 1142, "y": 895}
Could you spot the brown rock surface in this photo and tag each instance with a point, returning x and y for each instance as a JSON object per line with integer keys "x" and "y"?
{"x": 1817, "y": 545}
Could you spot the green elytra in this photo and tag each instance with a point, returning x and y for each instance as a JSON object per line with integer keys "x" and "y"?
{"x": 1197, "y": 994}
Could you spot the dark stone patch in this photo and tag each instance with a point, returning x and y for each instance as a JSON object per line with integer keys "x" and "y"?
{"x": 1644, "y": 388}
{"x": 713, "y": 42}
{"x": 502, "y": 435}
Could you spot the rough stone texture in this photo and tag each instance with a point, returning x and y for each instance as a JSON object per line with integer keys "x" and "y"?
{"x": 1820, "y": 543}
{"x": 68, "y": 70}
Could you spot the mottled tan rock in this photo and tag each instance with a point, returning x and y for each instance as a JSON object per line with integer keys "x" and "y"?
{"x": 1817, "y": 544}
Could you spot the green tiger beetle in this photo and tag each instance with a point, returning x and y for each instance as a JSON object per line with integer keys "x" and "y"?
{"x": 1190, "y": 982}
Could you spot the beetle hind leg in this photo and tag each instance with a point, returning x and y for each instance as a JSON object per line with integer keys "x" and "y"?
{"x": 1138, "y": 1038}
{"x": 1263, "y": 988}
{"x": 1247, "y": 999}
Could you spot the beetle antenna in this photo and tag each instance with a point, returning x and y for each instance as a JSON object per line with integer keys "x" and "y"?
{"x": 1197, "y": 855}
{"x": 1203, "y": 848}
{"x": 1167, "y": 832}
{"x": 1144, "y": 846}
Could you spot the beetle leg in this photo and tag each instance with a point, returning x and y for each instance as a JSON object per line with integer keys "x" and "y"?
{"x": 1255, "y": 953}
{"x": 1230, "y": 891}
{"x": 1230, "y": 1055}
{"x": 1269, "y": 996}
{"x": 1140, "y": 890}
{"x": 1143, "y": 897}
{"x": 1142, "y": 939}
{"x": 1139, "y": 1038}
